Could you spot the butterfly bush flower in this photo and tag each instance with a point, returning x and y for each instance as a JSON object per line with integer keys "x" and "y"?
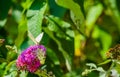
{"x": 31, "y": 58}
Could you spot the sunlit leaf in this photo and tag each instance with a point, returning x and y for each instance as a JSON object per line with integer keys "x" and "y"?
{"x": 22, "y": 28}
{"x": 105, "y": 39}
{"x": 2, "y": 22}
{"x": 26, "y": 4}
{"x": 17, "y": 15}
{"x": 35, "y": 16}
{"x": 92, "y": 16}
{"x": 77, "y": 16}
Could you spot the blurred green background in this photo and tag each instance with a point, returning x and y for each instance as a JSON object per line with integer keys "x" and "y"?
{"x": 76, "y": 32}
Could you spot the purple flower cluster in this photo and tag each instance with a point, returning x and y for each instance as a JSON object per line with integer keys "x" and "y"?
{"x": 31, "y": 58}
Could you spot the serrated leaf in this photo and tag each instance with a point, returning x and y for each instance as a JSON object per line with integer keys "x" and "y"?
{"x": 35, "y": 16}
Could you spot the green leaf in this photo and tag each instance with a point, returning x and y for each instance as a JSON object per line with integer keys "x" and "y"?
{"x": 105, "y": 62}
{"x": 17, "y": 15}
{"x": 52, "y": 26}
{"x": 60, "y": 48}
{"x": 118, "y": 67}
{"x": 23, "y": 74}
{"x": 62, "y": 28}
{"x": 59, "y": 21}
{"x": 53, "y": 56}
{"x": 76, "y": 13}
{"x": 35, "y": 16}
{"x": 2, "y": 22}
{"x": 105, "y": 40}
{"x": 2, "y": 66}
{"x": 22, "y": 28}
{"x": 26, "y": 5}
{"x": 71, "y": 74}
{"x": 92, "y": 16}
{"x": 9, "y": 68}
{"x": 115, "y": 14}
{"x": 70, "y": 33}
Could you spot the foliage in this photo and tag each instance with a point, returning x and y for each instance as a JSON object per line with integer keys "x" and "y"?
{"x": 76, "y": 33}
